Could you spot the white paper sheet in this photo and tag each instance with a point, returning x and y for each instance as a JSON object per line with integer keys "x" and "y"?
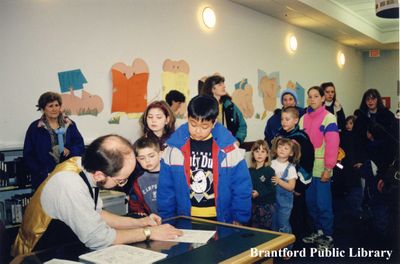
{"x": 60, "y": 261}
{"x": 194, "y": 236}
{"x": 122, "y": 254}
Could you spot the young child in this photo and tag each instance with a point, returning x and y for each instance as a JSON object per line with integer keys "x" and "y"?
{"x": 263, "y": 189}
{"x": 285, "y": 154}
{"x": 143, "y": 195}
{"x": 350, "y": 122}
{"x": 203, "y": 173}
{"x": 288, "y": 99}
{"x": 158, "y": 121}
{"x": 320, "y": 125}
{"x": 351, "y": 174}
{"x": 290, "y": 129}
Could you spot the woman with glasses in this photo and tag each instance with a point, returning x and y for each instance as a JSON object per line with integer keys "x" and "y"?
{"x": 376, "y": 143}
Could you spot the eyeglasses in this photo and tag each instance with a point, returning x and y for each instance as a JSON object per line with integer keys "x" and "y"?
{"x": 120, "y": 183}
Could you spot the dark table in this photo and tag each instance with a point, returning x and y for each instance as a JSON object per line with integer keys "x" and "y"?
{"x": 230, "y": 244}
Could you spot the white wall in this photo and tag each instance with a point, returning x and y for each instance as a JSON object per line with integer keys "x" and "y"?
{"x": 382, "y": 73}
{"x": 41, "y": 38}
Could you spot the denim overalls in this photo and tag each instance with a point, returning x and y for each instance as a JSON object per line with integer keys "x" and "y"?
{"x": 284, "y": 205}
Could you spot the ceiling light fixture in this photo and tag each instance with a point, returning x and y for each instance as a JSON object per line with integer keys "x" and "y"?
{"x": 293, "y": 43}
{"x": 387, "y": 9}
{"x": 209, "y": 17}
{"x": 341, "y": 59}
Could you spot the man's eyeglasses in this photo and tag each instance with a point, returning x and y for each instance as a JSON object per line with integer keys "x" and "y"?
{"x": 120, "y": 183}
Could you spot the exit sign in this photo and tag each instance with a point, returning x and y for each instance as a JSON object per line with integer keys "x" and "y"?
{"x": 374, "y": 53}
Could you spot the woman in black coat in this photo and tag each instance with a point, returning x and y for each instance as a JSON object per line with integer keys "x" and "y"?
{"x": 374, "y": 130}
{"x": 375, "y": 143}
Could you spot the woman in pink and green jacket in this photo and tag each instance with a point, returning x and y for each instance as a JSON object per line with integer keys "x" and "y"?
{"x": 320, "y": 125}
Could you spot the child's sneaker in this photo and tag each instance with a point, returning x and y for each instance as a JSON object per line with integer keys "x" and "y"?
{"x": 324, "y": 243}
{"x": 313, "y": 238}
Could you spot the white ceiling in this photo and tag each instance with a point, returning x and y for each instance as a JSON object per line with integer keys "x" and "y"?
{"x": 350, "y": 22}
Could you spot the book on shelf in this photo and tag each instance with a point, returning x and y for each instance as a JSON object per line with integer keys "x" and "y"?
{"x": 13, "y": 173}
{"x": 13, "y": 209}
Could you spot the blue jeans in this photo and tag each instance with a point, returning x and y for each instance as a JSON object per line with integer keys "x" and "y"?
{"x": 319, "y": 205}
{"x": 283, "y": 209}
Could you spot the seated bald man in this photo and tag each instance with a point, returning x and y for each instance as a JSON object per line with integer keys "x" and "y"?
{"x": 66, "y": 206}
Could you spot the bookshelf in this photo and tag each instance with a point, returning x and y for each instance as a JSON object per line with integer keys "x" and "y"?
{"x": 15, "y": 188}
{"x": 12, "y": 188}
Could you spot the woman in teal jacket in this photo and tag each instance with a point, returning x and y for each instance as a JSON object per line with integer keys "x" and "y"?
{"x": 229, "y": 114}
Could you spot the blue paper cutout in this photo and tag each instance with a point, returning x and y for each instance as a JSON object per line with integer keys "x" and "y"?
{"x": 300, "y": 95}
{"x": 71, "y": 79}
{"x": 241, "y": 85}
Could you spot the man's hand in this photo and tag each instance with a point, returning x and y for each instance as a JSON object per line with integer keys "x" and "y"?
{"x": 164, "y": 232}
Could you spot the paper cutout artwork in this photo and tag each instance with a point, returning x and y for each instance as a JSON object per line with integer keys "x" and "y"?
{"x": 73, "y": 79}
{"x": 175, "y": 76}
{"x": 243, "y": 98}
{"x": 114, "y": 120}
{"x": 87, "y": 104}
{"x": 268, "y": 87}
{"x": 301, "y": 95}
{"x": 129, "y": 87}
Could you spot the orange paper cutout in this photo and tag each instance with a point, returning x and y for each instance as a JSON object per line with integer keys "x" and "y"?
{"x": 129, "y": 87}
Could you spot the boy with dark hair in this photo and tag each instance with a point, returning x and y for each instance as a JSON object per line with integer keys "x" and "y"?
{"x": 174, "y": 99}
{"x": 203, "y": 173}
{"x": 143, "y": 195}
